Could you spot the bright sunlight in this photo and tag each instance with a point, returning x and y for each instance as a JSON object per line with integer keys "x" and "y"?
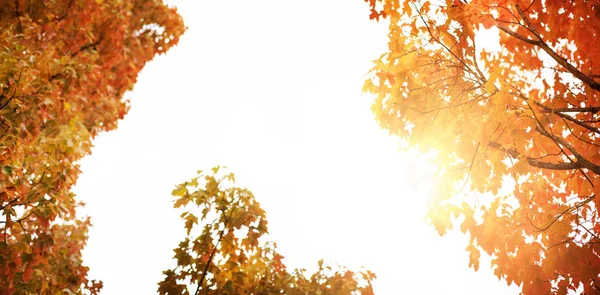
{"x": 310, "y": 147}
{"x": 281, "y": 107}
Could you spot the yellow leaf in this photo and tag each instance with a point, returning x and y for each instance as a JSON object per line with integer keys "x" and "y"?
{"x": 44, "y": 286}
{"x": 190, "y": 220}
{"x": 180, "y": 190}
{"x": 368, "y": 86}
{"x": 489, "y": 84}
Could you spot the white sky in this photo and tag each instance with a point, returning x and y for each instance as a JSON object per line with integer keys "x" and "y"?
{"x": 271, "y": 89}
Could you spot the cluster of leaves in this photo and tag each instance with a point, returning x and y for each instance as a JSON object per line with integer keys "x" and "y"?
{"x": 526, "y": 113}
{"x": 65, "y": 65}
{"x": 223, "y": 254}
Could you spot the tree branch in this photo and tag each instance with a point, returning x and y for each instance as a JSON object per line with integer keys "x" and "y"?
{"x": 19, "y": 220}
{"x": 581, "y": 163}
{"x": 567, "y": 117}
{"x": 574, "y": 110}
{"x": 9, "y": 203}
{"x": 212, "y": 254}
{"x": 522, "y": 38}
{"x": 66, "y": 12}
{"x": 557, "y": 217}
{"x": 14, "y": 92}
{"x": 86, "y": 47}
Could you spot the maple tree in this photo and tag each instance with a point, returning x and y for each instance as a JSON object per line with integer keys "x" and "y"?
{"x": 223, "y": 252}
{"x": 527, "y": 110}
{"x": 65, "y": 66}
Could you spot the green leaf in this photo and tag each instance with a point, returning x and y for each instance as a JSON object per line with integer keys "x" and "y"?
{"x": 7, "y": 170}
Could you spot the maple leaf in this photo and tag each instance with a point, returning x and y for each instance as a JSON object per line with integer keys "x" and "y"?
{"x": 473, "y": 257}
{"x": 488, "y": 22}
{"x": 374, "y": 15}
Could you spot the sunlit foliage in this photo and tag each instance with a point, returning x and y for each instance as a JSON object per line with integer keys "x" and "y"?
{"x": 522, "y": 113}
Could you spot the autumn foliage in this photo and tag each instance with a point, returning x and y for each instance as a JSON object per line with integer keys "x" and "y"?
{"x": 514, "y": 127}
{"x": 64, "y": 67}
{"x": 224, "y": 251}
{"x": 514, "y": 122}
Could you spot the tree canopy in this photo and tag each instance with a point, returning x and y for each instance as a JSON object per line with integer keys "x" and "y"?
{"x": 522, "y": 114}
{"x": 225, "y": 252}
{"x": 65, "y": 66}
